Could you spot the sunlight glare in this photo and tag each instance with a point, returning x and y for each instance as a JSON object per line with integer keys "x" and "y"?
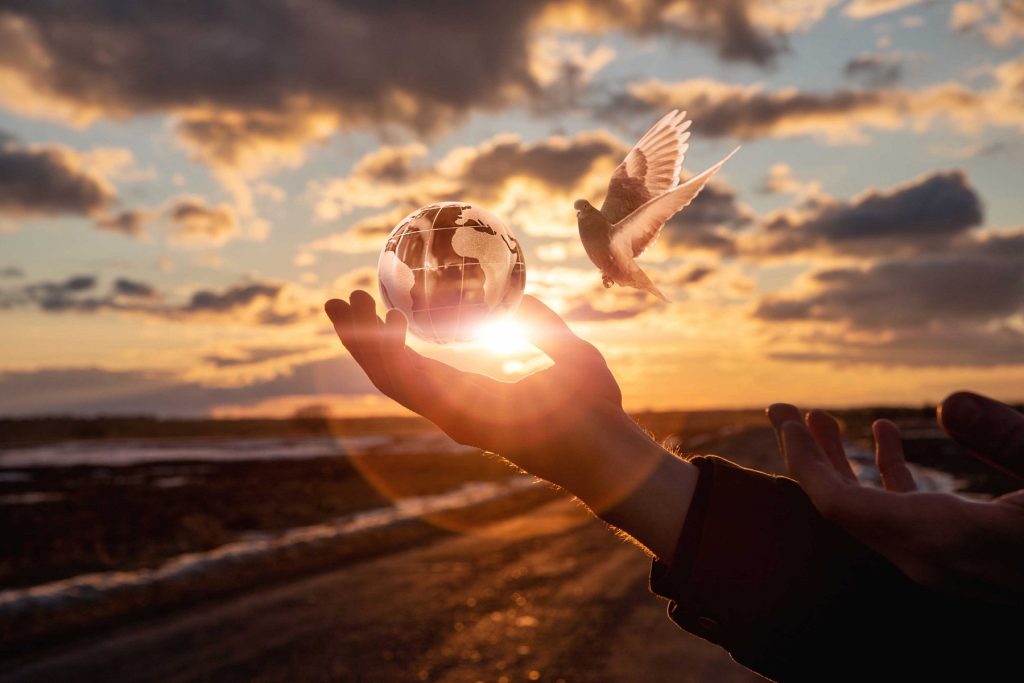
{"x": 504, "y": 336}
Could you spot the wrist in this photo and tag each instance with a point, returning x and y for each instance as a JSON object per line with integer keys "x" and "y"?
{"x": 634, "y": 484}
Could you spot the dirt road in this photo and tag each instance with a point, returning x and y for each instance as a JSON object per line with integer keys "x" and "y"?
{"x": 550, "y": 596}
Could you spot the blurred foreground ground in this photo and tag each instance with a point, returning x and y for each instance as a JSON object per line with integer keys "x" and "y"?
{"x": 552, "y": 592}
{"x": 522, "y": 587}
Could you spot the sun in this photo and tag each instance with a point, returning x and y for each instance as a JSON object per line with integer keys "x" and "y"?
{"x": 504, "y": 336}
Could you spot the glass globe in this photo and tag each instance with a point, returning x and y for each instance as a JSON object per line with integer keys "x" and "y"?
{"x": 451, "y": 267}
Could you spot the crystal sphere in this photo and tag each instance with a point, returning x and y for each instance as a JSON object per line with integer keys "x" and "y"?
{"x": 450, "y": 267}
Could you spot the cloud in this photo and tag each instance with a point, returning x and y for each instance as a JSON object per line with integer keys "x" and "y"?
{"x": 54, "y": 296}
{"x": 395, "y": 175}
{"x": 193, "y": 220}
{"x": 131, "y": 222}
{"x": 249, "y": 302}
{"x": 709, "y": 222}
{"x": 366, "y": 235}
{"x": 578, "y": 295}
{"x": 252, "y": 356}
{"x": 782, "y": 180}
{"x": 250, "y": 85}
{"x": 49, "y": 181}
{"x": 722, "y": 109}
{"x": 864, "y": 9}
{"x": 907, "y": 293}
{"x": 134, "y": 288}
{"x": 262, "y": 303}
{"x": 692, "y": 275}
{"x": 973, "y": 294}
{"x": 924, "y": 214}
{"x": 261, "y": 76}
{"x": 558, "y": 163}
{"x": 944, "y": 347}
{"x": 874, "y": 70}
{"x": 999, "y": 22}
{"x": 603, "y": 305}
{"x": 94, "y": 390}
{"x": 11, "y": 272}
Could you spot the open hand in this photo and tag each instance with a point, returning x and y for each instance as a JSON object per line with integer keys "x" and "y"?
{"x": 937, "y": 539}
{"x": 564, "y": 423}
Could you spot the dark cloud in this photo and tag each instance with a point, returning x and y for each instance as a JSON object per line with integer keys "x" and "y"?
{"x": 970, "y": 285}
{"x": 194, "y": 220}
{"x": 708, "y": 222}
{"x": 722, "y": 109}
{"x": 93, "y": 390}
{"x": 78, "y": 294}
{"x": 559, "y": 163}
{"x": 874, "y": 70}
{"x": 252, "y": 356}
{"x": 932, "y": 300}
{"x": 45, "y": 181}
{"x": 55, "y": 297}
{"x": 131, "y": 223}
{"x": 736, "y": 29}
{"x": 134, "y": 288}
{"x": 945, "y": 346}
{"x": 391, "y": 164}
{"x": 714, "y": 240}
{"x": 236, "y": 296}
{"x": 262, "y": 303}
{"x": 251, "y": 302}
{"x": 248, "y": 76}
{"x": 397, "y": 177}
{"x": 11, "y": 272}
{"x": 925, "y": 214}
{"x": 693, "y": 275}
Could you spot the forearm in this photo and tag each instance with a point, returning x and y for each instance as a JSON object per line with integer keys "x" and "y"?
{"x": 635, "y": 485}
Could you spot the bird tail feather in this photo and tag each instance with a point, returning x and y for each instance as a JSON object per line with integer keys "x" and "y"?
{"x": 642, "y": 281}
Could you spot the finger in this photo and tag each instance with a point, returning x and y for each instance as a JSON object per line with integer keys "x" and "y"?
{"x": 369, "y": 336}
{"x": 340, "y": 314}
{"x": 779, "y": 414}
{"x": 892, "y": 466}
{"x": 364, "y": 314}
{"x": 808, "y": 464}
{"x": 393, "y": 338}
{"x": 993, "y": 431}
{"x": 549, "y": 333}
{"x": 825, "y": 431}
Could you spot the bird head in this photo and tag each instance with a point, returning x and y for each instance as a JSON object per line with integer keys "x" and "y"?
{"x": 581, "y": 205}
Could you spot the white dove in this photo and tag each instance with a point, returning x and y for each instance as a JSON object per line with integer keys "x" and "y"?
{"x": 643, "y": 193}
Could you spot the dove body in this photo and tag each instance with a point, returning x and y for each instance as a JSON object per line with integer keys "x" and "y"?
{"x": 644, "y": 192}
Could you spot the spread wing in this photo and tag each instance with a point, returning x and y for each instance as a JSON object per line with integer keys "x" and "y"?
{"x": 650, "y": 169}
{"x": 640, "y": 229}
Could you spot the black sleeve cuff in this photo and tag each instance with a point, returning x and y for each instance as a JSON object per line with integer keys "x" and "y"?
{"x": 759, "y": 571}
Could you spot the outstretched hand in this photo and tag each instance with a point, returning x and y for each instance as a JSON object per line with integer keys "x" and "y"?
{"x": 564, "y": 424}
{"x": 937, "y": 539}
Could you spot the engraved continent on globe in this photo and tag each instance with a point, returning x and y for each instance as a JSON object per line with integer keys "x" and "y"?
{"x": 449, "y": 267}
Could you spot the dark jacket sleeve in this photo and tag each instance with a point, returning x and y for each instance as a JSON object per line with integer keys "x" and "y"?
{"x": 792, "y": 596}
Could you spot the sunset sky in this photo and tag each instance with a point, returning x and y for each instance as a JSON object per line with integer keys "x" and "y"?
{"x": 182, "y": 185}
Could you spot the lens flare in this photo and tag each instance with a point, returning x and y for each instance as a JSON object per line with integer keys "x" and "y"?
{"x": 503, "y": 336}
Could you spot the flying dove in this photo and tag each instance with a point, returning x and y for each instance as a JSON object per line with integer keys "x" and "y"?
{"x": 643, "y": 193}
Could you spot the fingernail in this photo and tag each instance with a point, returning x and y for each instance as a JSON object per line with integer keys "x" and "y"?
{"x": 961, "y": 411}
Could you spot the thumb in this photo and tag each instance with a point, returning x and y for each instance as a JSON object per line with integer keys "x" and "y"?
{"x": 993, "y": 431}
{"x": 548, "y": 332}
